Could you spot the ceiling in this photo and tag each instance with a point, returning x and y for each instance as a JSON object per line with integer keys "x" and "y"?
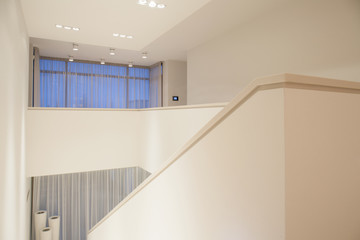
{"x": 60, "y": 49}
{"x": 166, "y": 34}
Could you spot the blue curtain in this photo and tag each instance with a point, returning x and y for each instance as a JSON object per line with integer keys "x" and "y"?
{"x": 89, "y": 85}
{"x": 52, "y": 83}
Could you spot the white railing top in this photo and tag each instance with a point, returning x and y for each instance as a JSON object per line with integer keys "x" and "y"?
{"x": 210, "y": 105}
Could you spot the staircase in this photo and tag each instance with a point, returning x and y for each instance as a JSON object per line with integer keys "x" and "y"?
{"x": 273, "y": 164}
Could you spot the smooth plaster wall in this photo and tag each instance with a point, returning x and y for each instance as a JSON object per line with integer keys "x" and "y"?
{"x": 318, "y": 38}
{"x": 230, "y": 185}
{"x": 322, "y": 139}
{"x": 174, "y": 82}
{"x": 66, "y": 141}
{"x": 167, "y": 131}
{"x": 14, "y": 48}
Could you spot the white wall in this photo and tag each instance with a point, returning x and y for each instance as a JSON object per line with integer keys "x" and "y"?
{"x": 230, "y": 185}
{"x": 174, "y": 82}
{"x": 167, "y": 131}
{"x": 64, "y": 141}
{"x": 319, "y": 38}
{"x": 13, "y": 102}
{"x": 322, "y": 139}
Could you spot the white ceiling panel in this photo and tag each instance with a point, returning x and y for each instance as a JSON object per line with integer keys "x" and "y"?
{"x": 166, "y": 34}
{"x": 99, "y": 19}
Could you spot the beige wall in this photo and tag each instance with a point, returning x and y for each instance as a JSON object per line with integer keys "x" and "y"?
{"x": 14, "y": 49}
{"x": 167, "y": 131}
{"x": 64, "y": 141}
{"x": 318, "y": 38}
{"x": 174, "y": 82}
{"x": 322, "y": 139}
{"x": 230, "y": 185}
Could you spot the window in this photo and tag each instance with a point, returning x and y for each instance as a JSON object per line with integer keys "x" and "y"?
{"x": 91, "y": 85}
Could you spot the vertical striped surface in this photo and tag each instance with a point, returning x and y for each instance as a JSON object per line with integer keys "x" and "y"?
{"x": 82, "y": 199}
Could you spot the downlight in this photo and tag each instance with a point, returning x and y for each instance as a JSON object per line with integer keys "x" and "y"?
{"x": 142, "y": 2}
{"x": 151, "y": 4}
{"x": 67, "y": 27}
{"x": 75, "y": 47}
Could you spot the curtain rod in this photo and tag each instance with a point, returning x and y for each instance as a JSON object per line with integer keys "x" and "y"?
{"x": 93, "y": 62}
{"x": 94, "y": 75}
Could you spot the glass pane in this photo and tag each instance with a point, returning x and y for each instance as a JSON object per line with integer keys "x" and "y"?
{"x": 90, "y": 85}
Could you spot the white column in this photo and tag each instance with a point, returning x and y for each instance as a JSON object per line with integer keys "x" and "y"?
{"x": 14, "y": 55}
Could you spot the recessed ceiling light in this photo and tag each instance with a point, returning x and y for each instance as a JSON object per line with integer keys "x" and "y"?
{"x": 142, "y": 2}
{"x": 115, "y": 34}
{"x": 130, "y": 64}
{"x": 144, "y": 55}
{"x": 130, "y": 37}
{"x": 112, "y": 52}
{"x": 67, "y": 27}
{"x": 122, "y": 35}
{"x": 102, "y": 61}
{"x": 152, "y": 4}
{"x": 71, "y": 58}
{"x": 75, "y": 47}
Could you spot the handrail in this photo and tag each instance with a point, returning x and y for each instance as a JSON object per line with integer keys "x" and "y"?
{"x": 285, "y": 80}
{"x": 211, "y": 105}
